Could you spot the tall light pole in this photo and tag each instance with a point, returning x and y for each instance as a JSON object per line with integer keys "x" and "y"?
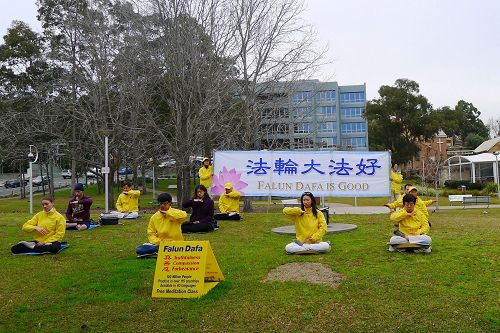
{"x": 498, "y": 176}
{"x": 105, "y": 171}
{"x": 32, "y": 158}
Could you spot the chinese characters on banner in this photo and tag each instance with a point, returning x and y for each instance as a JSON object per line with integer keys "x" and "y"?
{"x": 290, "y": 173}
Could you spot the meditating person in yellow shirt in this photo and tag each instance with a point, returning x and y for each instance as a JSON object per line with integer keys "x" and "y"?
{"x": 229, "y": 204}
{"x": 48, "y": 228}
{"x": 127, "y": 205}
{"x": 165, "y": 224}
{"x": 310, "y": 226}
{"x": 413, "y": 225}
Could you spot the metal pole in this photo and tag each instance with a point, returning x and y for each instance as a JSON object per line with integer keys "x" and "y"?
{"x": 106, "y": 175}
{"x": 154, "y": 184}
{"x": 30, "y": 174}
{"x": 498, "y": 183}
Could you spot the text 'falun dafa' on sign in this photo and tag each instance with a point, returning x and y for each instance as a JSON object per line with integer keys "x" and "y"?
{"x": 185, "y": 269}
{"x": 290, "y": 173}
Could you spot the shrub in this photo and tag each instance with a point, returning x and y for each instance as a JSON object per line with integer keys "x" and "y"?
{"x": 490, "y": 188}
{"x": 454, "y": 184}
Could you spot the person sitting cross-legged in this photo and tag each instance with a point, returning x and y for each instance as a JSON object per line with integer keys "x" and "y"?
{"x": 202, "y": 217}
{"x": 127, "y": 204}
{"x": 229, "y": 204}
{"x": 165, "y": 224}
{"x": 78, "y": 211}
{"x": 413, "y": 225}
{"x": 48, "y": 228}
{"x": 310, "y": 226}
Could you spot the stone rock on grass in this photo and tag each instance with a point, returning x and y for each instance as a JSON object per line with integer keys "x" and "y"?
{"x": 305, "y": 272}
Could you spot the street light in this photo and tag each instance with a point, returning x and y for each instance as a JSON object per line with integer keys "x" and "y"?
{"x": 32, "y": 158}
{"x": 498, "y": 183}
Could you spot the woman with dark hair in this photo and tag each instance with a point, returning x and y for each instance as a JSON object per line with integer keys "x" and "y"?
{"x": 310, "y": 226}
{"x": 48, "y": 228}
{"x": 202, "y": 218}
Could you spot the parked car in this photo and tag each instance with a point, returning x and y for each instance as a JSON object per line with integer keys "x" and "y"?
{"x": 40, "y": 180}
{"x": 14, "y": 183}
{"x": 93, "y": 172}
{"x": 125, "y": 171}
{"x": 167, "y": 163}
{"x": 66, "y": 174}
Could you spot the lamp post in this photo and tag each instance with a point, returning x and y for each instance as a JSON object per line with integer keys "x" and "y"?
{"x": 105, "y": 171}
{"x": 32, "y": 158}
{"x": 498, "y": 176}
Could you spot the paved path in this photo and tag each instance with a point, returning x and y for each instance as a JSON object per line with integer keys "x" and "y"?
{"x": 348, "y": 209}
{"x": 331, "y": 228}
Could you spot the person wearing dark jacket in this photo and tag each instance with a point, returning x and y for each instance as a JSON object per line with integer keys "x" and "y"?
{"x": 78, "y": 211}
{"x": 202, "y": 217}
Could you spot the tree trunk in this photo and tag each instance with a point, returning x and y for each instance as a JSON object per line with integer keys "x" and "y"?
{"x": 144, "y": 183}
{"x": 247, "y": 205}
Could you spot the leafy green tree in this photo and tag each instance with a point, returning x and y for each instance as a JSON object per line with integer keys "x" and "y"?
{"x": 399, "y": 119}
{"x": 473, "y": 140}
{"x": 470, "y": 122}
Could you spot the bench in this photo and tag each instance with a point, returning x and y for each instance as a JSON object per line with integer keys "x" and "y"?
{"x": 458, "y": 198}
{"x": 477, "y": 200}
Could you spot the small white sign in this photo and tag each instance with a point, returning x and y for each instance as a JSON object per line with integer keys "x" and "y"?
{"x": 105, "y": 170}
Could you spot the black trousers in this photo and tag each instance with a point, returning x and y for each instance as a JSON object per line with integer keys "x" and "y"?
{"x": 197, "y": 227}
{"x": 54, "y": 247}
{"x": 225, "y": 216}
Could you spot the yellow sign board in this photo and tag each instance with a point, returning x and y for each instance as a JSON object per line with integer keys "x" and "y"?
{"x": 185, "y": 269}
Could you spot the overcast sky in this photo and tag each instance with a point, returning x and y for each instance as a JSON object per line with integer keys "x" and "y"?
{"x": 450, "y": 47}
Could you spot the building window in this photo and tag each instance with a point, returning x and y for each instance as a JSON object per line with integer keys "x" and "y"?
{"x": 354, "y": 142}
{"x": 327, "y": 142}
{"x": 302, "y": 128}
{"x": 327, "y": 127}
{"x": 352, "y": 97}
{"x": 278, "y": 113}
{"x": 348, "y": 128}
{"x": 327, "y": 111}
{"x": 352, "y": 112}
{"x": 302, "y": 112}
{"x": 267, "y": 129}
{"x": 327, "y": 95}
{"x": 301, "y": 96}
{"x": 303, "y": 143}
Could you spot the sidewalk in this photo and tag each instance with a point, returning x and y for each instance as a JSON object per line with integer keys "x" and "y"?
{"x": 336, "y": 208}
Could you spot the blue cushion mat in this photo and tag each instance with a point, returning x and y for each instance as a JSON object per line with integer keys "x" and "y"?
{"x": 63, "y": 246}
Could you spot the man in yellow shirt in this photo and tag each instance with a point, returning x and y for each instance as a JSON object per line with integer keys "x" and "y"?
{"x": 205, "y": 173}
{"x": 165, "y": 224}
{"x": 127, "y": 205}
{"x": 229, "y": 204}
{"x": 48, "y": 228}
{"x": 413, "y": 225}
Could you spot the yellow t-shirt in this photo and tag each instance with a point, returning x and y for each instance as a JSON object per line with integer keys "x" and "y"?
{"x": 229, "y": 203}
{"x": 306, "y": 225}
{"x": 53, "y": 222}
{"x": 166, "y": 226}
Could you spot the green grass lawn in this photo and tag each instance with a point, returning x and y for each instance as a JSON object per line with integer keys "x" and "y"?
{"x": 99, "y": 282}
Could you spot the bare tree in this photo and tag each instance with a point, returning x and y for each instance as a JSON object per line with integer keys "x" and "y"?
{"x": 494, "y": 127}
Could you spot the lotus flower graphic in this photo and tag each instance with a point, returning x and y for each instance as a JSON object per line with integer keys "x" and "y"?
{"x": 226, "y": 176}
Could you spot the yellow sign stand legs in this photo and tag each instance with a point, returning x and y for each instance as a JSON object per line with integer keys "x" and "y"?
{"x": 185, "y": 269}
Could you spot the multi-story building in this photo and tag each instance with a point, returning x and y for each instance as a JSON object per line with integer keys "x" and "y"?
{"x": 314, "y": 115}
